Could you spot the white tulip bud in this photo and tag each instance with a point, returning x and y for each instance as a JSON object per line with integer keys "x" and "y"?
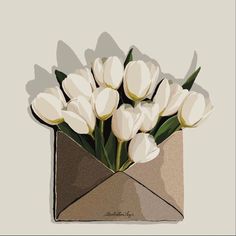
{"x": 154, "y": 71}
{"x": 150, "y": 111}
{"x": 177, "y": 96}
{"x": 193, "y": 110}
{"x": 105, "y": 102}
{"x": 80, "y": 116}
{"x": 126, "y": 121}
{"x": 108, "y": 73}
{"x": 76, "y": 85}
{"x": 162, "y": 95}
{"x": 142, "y": 148}
{"x": 48, "y": 106}
{"x": 137, "y": 80}
{"x": 86, "y": 73}
{"x": 56, "y": 91}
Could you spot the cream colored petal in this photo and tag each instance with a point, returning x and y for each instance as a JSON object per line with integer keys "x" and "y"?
{"x": 175, "y": 102}
{"x": 84, "y": 109}
{"x": 137, "y": 122}
{"x": 154, "y": 152}
{"x": 106, "y": 101}
{"x": 86, "y": 73}
{"x": 77, "y": 123}
{"x": 154, "y": 71}
{"x": 137, "y": 80}
{"x": 98, "y": 71}
{"x": 209, "y": 109}
{"x": 75, "y": 85}
{"x": 138, "y": 147}
{"x": 122, "y": 124}
{"x": 192, "y": 109}
{"x": 113, "y": 72}
{"x": 48, "y": 108}
{"x": 175, "y": 89}
{"x": 162, "y": 95}
{"x": 150, "y": 113}
{"x": 56, "y": 91}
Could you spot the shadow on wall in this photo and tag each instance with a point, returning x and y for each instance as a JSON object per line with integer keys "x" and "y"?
{"x": 68, "y": 62}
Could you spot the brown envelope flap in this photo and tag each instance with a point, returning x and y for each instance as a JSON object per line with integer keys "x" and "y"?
{"x": 76, "y": 172}
{"x": 164, "y": 174}
{"x": 120, "y": 198}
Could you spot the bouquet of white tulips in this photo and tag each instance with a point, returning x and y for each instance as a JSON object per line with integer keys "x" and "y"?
{"x": 120, "y": 111}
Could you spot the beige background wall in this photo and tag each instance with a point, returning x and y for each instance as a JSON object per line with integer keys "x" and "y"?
{"x": 168, "y": 31}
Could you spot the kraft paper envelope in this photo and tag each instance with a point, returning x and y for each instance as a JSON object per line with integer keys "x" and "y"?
{"x": 86, "y": 190}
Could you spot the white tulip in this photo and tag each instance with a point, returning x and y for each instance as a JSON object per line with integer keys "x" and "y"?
{"x": 162, "y": 95}
{"x": 48, "y": 106}
{"x": 105, "y": 102}
{"x": 137, "y": 80}
{"x": 108, "y": 73}
{"x": 76, "y": 85}
{"x": 150, "y": 111}
{"x": 126, "y": 121}
{"x": 193, "y": 110}
{"x": 155, "y": 72}
{"x": 80, "y": 116}
{"x": 142, "y": 148}
{"x": 86, "y": 73}
{"x": 177, "y": 96}
{"x": 56, "y": 91}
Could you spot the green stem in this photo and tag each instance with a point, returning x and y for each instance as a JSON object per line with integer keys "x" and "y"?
{"x": 118, "y": 154}
{"x": 126, "y": 165}
{"x": 101, "y": 127}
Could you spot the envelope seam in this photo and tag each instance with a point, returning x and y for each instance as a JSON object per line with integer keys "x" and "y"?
{"x": 156, "y": 194}
{"x": 83, "y": 195}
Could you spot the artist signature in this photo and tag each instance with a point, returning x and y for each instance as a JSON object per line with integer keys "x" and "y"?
{"x": 120, "y": 213}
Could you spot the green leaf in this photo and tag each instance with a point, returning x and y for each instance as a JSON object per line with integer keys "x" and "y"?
{"x": 101, "y": 153}
{"x": 166, "y": 129}
{"x": 124, "y": 153}
{"x": 189, "y": 82}
{"x": 110, "y": 148}
{"x": 129, "y": 57}
{"x": 60, "y": 76}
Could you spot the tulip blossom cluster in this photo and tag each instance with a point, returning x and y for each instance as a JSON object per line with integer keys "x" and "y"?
{"x": 120, "y": 112}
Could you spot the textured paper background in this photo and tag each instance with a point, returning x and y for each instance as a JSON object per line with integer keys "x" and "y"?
{"x": 169, "y": 31}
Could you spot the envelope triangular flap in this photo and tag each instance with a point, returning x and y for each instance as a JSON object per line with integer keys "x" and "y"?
{"x": 164, "y": 174}
{"x": 76, "y": 172}
{"x": 122, "y": 198}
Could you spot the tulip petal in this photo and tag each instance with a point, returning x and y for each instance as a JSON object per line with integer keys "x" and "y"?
{"x": 105, "y": 101}
{"x": 122, "y": 124}
{"x": 56, "y": 91}
{"x": 113, "y": 72}
{"x": 162, "y": 95}
{"x": 137, "y": 80}
{"x": 75, "y": 85}
{"x": 84, "y": 109}
{"x": 77, "y": 123}
{"x": 175, "y": 102}
{"x": 154, "y": 71}
{"x": 48, "y": 108}
{"x": 142, "y": 148}
{"x": 98, "y": 71}
{"x": 207, "y": 112}
{"x": 86, "y": 73}
{"x": 192, "y": 109}
{"x": 150, "y": 113}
